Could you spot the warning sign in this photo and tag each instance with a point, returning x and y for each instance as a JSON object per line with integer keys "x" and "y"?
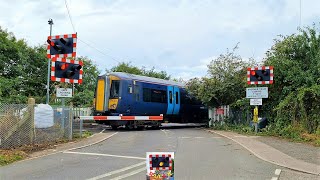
{"x": 64, "y": 92}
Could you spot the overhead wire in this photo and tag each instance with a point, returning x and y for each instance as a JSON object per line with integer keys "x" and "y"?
{"x": 65, "y": 1}
{"x": 89, "y": 45}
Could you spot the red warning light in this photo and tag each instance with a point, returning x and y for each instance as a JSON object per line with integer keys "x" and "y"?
{"x": 253, "y": 73}
{"x": 63, "y": 67}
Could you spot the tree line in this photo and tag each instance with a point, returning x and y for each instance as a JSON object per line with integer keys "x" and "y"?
{"x": 293, "y": 106}
{"x": 23, "y": 74}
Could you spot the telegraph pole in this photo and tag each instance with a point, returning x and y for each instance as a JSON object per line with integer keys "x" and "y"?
{"x": 50, "y": 22}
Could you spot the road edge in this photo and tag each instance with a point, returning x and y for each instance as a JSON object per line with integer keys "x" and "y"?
{"x": 258, "y": 156}
{"x": 61, "y": 151}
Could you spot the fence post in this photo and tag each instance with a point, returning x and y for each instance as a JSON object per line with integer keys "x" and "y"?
{"x": 81, "y": 124}
{"x": 31, "y": 104}
{"x": 70, "y": 121}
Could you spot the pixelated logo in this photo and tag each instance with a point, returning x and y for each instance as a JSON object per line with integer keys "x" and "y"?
{"x": 160, "y": 165}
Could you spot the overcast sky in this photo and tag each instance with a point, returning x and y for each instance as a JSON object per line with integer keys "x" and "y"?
{"x": 178, "y": 36}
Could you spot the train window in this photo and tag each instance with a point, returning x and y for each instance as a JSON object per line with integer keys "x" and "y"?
{"x": 158, "y": 96}
{"x": 146, "y": 95}
{"x": 115, "y": 87}
{"x": 170, "y": 97}
{"x": 177, "y": 98}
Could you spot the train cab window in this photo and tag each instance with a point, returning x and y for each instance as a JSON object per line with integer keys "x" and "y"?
{"x": 177, "y": 98}
{"x": 170, "y": 97}
{"x": 115, "y": 88}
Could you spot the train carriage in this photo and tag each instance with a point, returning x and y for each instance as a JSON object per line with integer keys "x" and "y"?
{"x": 119, "y": 93}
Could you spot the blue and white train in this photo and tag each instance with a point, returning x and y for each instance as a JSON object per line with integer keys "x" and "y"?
{"x": 133, "y": 95}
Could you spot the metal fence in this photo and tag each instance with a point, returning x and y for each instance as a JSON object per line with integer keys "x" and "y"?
{"x": 22, "y": 124}
{"x": 235, "y": 116}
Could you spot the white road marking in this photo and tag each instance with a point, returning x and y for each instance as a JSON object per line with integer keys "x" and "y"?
{"x": 274, "y": 178}
{"x": 108, "y": 155}
{"x": 118, "y": 171}
{"x": 277, "y": 172}
{"x": 184, "y": 137}
{"x": 198, "y": 137}
{"x": 130, "y": 174}
{"x": 102, "y": 131}
{"x": 241, "y": 136}
{"x": 216, "y": 137}
{"x": 92, "y": 143}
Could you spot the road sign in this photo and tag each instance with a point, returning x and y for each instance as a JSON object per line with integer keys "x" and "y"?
{"x": 64, "y": 92}
{"x": 257, "y": 92}
{"x": 256, "y": 102}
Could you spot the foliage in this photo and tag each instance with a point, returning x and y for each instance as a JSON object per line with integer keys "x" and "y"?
{"x": 293, "y": 106}
{"x": 22, "y": 70}
{"x": 128, "y": 68}
{"x": 225, "y": 84}
{"x": 295, "y": 96}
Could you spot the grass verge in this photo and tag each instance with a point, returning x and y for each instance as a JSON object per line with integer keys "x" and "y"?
{"x": 8, "y": 156}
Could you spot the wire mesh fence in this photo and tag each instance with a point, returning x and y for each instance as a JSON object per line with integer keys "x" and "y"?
{"x": 23, "y": 124}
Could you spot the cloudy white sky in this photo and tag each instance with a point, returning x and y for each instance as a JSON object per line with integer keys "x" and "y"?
{"x": 178, "y": 36}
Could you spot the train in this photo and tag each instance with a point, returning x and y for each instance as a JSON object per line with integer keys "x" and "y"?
{"x": 124, "y": 94}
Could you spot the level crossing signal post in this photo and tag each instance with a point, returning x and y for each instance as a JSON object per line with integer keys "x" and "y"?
{"x": 65, "y": 68}
{"x": 255, "y": 76}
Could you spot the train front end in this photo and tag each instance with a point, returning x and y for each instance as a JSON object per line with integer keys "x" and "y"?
{"x": 107, "y": 95}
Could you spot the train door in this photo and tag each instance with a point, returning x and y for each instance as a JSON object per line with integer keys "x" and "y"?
{"x": 176, "y": 100}
{"x": 101, "y": 95}
{"x": 170, "y": 100}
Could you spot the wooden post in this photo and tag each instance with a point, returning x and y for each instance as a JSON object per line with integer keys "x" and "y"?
{"x": 31, "y": 104}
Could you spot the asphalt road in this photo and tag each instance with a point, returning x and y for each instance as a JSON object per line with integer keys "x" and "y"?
{"x": 198, "y": 155}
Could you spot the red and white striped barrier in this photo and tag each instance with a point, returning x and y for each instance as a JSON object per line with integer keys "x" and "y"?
{"x": 128, "y": 118}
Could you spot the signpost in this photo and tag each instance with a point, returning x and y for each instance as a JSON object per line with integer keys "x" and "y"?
{"x": 64, "y": 92}
{"x": 257, "y": 92}
{"x": 256, "y": 102}
{"x": 258, "y": 75}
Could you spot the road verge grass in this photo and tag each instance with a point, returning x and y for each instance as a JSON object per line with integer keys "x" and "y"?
{"x": 8, "y": 156}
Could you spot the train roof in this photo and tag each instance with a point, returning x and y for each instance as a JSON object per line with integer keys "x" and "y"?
{"x": 152, "y": 80}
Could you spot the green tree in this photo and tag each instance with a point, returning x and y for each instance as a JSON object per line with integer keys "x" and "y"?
{"x": 21, "y": 70}
{"x": 131, "y": 69}
{"x": 296, "y": 61}
{"x": 226, "y": 80}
